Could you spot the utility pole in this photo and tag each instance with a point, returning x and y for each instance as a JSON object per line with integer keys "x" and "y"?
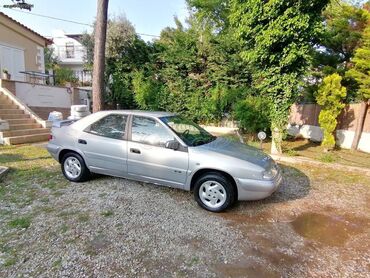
{"x": 99, "y": 55}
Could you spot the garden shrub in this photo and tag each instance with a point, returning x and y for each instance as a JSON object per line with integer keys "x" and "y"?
{"x": 146, "y": 91}
{"x": 63, "y": 76}
{"x": 253, "y": 114}
{"x": 330, "y": 96}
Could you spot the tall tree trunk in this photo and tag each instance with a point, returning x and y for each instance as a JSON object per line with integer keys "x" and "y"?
{"x": 277, "y": 138}
{"x": 99, "y": 55}
{"x": 359, "y": 125}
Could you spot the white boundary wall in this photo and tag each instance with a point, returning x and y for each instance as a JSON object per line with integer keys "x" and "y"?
{"x": 344, "y": 137}
{"x": 43, "y": 96}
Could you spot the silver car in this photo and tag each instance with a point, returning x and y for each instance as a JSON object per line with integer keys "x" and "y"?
{"x": 163, "y": 148}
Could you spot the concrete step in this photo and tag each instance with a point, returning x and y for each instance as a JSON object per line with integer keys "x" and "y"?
{"x": 23, "y": 132}
{"x": 20, "y": 121}
{"x": 4, "y": 98}
{"x": 8, "y": 106}
{"x": 10, "y": 111}
{"x": 14, "y": 116}
{"x": 5, "y": 101}
{"x": 24, "y": 126}
{"x": 26, "y": 139}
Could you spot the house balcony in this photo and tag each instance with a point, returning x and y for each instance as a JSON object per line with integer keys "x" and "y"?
{"x": 73, "y": 56}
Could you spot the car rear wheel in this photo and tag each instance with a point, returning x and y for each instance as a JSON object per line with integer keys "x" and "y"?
{"x": 214, "y": 192}
{"x": 74, "y": 168}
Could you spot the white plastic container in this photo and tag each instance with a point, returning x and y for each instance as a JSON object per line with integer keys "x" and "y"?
{"x": 55, "y": 116}
{"x": 79, "y": 108}
{"x": 80, "y": 114}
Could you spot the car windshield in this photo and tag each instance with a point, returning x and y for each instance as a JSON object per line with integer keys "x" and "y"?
{"x": 189, "y": 132}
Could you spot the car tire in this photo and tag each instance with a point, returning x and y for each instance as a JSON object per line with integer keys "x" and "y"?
{"x": 214, "y": 192}
{"x": 74, "y": 168}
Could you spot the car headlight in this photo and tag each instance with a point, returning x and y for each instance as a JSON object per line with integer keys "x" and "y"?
{"x": 271, "y": 173}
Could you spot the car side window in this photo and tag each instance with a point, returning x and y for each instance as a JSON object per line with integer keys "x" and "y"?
{"x": 112, "y": 126}
{"x": 149, "y": 131}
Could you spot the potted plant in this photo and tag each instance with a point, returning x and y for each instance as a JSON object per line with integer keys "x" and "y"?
{"x": 6, "y": 74}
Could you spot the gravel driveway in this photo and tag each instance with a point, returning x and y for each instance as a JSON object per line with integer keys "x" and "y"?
{"x": 316, "y": 225}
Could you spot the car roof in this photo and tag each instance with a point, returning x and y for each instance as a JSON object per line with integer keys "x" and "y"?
{"x": 156, "y": 114}
{"x": 86, "y": 121}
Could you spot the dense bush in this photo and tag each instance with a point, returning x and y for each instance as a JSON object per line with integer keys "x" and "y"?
{"x": 63, "y": 76}
{"x": 146, "y": 92}
{"x": 253, "y": 114}
{"x": 330, "y": 97}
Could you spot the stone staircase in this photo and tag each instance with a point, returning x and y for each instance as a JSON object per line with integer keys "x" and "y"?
{"x": 22, "y": 127}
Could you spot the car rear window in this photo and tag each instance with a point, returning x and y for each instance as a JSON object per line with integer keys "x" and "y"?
{"x": 112, "y": 126}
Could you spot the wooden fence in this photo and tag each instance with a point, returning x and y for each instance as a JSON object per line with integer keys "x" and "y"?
{"x": 308, "y": 114}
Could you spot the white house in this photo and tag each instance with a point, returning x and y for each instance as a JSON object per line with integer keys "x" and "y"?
{"x": 70, "y": 53}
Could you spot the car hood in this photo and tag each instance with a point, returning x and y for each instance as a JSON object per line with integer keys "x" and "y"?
{"x": 239, "y": 151}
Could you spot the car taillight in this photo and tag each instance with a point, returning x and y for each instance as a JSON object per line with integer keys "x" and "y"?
{"x": 50, "y": 137}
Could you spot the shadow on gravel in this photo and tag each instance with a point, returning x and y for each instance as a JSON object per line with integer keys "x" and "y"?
{"x": 296, "y": 185}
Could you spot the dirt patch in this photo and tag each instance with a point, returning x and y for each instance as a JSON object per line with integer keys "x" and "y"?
{"x": 328, "y": 229}
{"x": 313, "y": 222}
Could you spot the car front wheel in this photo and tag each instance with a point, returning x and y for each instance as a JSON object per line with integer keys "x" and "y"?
{"x": 214, "y": 192}
{"x": 74, "y": 168}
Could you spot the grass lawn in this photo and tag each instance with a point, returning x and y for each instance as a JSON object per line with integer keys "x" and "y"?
{"x": 32, "y": 178}
{"x": 31, "y": 170}
{"x": 306, "y": 148}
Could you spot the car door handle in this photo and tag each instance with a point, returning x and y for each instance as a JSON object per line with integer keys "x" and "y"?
{"x": 81, "y": 141}
{"x": 135, "y": 151}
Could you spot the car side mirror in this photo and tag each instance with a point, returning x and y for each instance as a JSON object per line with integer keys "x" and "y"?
{"x": 172, "y": 144}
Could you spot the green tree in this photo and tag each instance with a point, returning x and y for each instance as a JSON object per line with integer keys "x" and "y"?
{"x": 51, "y": 60}
{"x": 201, "y": 70}
{"x": 277, "y": 37}
{"x": 214, "y": 12}
{"x": 120, "y": 36}
{"x": 87, "y": 40}
{"x": 330, "y": 96}
{"x": 147, "y": 91}
{"x": 344, "y": 24}
{"x": 125, "y": 53}
{"x": 361, "y": 73}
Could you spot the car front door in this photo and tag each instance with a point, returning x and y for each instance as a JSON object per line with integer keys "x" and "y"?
{"x": 149, "y": 159}
{"x": 104, "y": 144}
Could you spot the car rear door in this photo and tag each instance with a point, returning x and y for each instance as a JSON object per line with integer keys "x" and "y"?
{"x": 149, "y": 160}
{"x": 104, "y": 144}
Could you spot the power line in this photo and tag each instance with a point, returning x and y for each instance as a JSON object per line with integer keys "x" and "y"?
{"x": 55, "y": 18}
{"x": 72, "y": 21}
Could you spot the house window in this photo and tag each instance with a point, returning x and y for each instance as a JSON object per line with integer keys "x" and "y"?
{"x": 70, "y": 50}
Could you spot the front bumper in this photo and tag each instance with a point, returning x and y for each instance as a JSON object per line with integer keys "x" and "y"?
{"x": 249, "y": 189}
